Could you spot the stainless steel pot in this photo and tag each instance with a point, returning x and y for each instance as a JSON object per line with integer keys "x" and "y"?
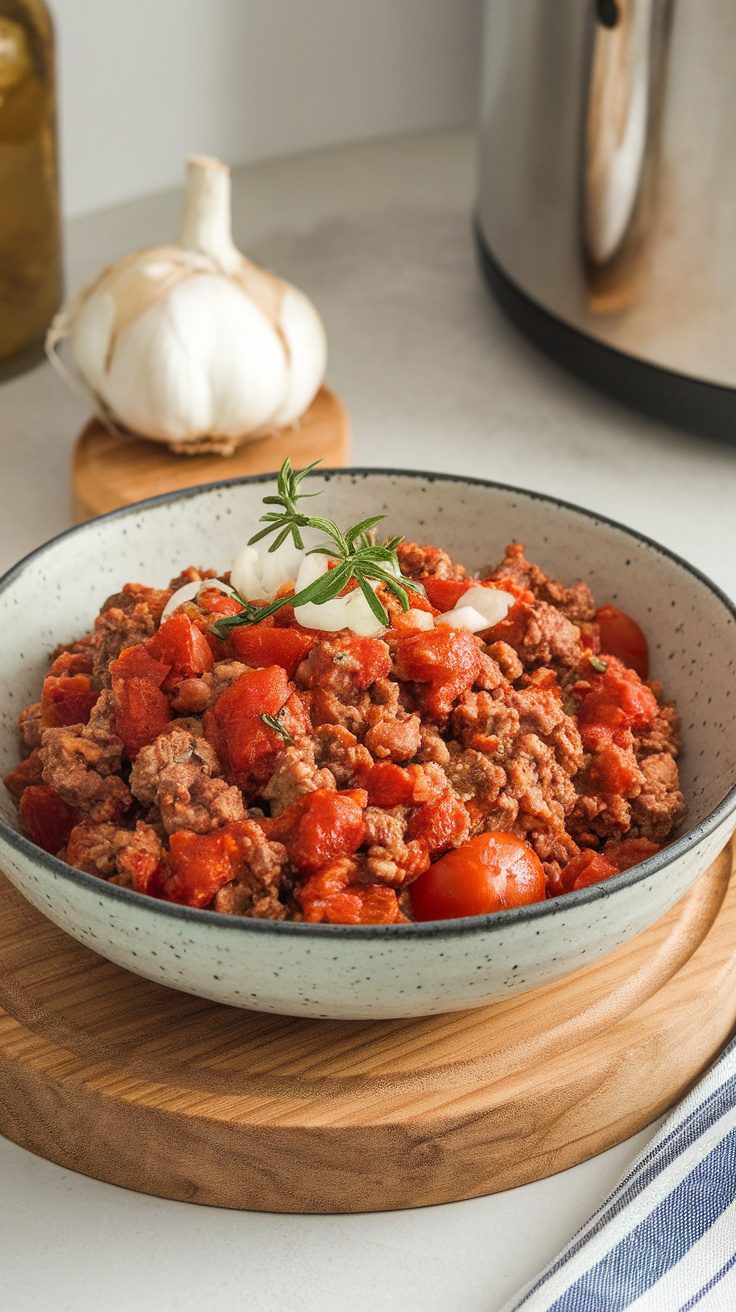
{"x": 607, "y": 201}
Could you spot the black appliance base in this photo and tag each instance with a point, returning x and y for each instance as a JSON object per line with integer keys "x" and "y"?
{"x": 702, "y": 408}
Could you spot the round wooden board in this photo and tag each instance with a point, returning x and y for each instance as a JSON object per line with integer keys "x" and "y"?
{"x": 158, "y": 1091}
{"x": 116, "y": 469}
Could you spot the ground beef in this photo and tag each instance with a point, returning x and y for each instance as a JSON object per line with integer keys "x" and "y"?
{"x": 29, "y": 725}
{"x": 81, "y": 763}
{"x": 126, "y": 618}
{"x": 256, "y": 891}
{"x": 575, "y": 601}
{"x": 472, "y": 735}
{"x": 417, "y": 562}
{"x": 295, "y": 773}
{"x": 179, "y": 776}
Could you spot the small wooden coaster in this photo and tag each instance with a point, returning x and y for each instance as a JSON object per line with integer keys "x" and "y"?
{"x": 133, "y": 1083}
{"x": 113, "y": 469}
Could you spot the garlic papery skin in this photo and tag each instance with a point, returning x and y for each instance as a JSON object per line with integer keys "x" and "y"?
{"x": 190, "y": 592}
{"x": 192, "y": 344}
{"x": 477, "y": 609}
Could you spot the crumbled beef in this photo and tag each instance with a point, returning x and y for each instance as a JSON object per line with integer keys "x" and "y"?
{"x": 295, "y": 773}
{"x": 126, "y": 618}
{"x": 466, "y": 737}
{"x": 179, "y": 775}
{"x": 339, "y": 751}
{"x": 81, "y": 762}
{"x": 576, "y": 601}
{"x": 660, "y": 804}
{"x": 417, "y": 562}
{"x": 256, "y": 891}
{"x": 29, "y": 725}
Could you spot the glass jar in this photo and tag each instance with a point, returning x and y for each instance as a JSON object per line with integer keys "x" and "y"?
{"x": 30, "y": 245}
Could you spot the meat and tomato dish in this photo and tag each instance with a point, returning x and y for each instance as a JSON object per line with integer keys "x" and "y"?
{"x": 374, "y": 737}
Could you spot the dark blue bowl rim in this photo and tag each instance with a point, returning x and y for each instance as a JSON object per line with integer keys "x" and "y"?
{"x": 500, "y": 920}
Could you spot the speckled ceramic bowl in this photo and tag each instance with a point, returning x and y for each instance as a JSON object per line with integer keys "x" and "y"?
{"x": 397, "y": 970}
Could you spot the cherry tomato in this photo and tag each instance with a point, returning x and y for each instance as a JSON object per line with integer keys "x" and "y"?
{"x": 621, "y": 636}
{"x": 488, "y": 873}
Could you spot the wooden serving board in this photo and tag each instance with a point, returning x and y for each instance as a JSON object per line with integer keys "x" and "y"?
{"x": 114, "y": 469}
{"x": 145, "y": 1087}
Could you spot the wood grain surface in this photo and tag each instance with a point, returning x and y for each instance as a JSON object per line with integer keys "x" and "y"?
{"x": 114, "y": 469}
{"x": 129, "y": 1082}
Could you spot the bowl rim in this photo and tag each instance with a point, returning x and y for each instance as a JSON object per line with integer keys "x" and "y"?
{"x": 410, "y": 930}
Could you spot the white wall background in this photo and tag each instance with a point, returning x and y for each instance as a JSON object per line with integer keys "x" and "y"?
{"x": 143, "y": 83}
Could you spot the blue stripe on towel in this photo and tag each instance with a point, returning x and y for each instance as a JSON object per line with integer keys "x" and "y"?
{"x": 709, "y": 1284}
{"x": 665, "y": 1149}
{"x": 659, "y": 1241}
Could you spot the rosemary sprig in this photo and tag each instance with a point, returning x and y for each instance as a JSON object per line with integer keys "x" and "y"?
{"x": 354, "y": 551}
{"x": 274, "y": 723}
{"x": 287, "y": 520}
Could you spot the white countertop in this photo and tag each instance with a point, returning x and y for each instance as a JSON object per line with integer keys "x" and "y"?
{"x": 434, "y": 378}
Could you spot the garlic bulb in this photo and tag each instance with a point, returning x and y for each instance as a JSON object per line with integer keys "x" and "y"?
{"x": 192, "y": 344}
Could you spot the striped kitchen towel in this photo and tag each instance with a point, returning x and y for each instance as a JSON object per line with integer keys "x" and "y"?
{"x": 665, "y": 1239}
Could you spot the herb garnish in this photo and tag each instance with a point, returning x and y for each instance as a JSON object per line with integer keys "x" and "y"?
{"x": 355, "y": 553}
{"x": 598, "y": 664}
{"x": 273, "y": 722}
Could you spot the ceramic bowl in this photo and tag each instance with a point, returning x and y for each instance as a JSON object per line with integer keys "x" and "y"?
{"x": 355, "y": 972}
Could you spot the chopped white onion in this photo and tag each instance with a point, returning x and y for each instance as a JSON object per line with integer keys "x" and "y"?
{"x": 420, "y": 619}
{"x": 349, "y": 612}
{"x": 190, "y": 591}
{"x": 477, "y": 609}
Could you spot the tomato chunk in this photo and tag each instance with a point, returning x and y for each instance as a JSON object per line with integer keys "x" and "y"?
{"x": 47, "y": 819}
{"x": 621, "y": 636}
{"x": 488, "y": 873}
{"x": 263, "y": 644}
{"x": 66, "y": 699}
{"x": 445, "y": 593}
{"x": 182, "y": 646}
{"x": 200, "y": 864}
{"x": 611, "y": 704}
{"x": 447, "y": 659}
{"x": 28, "y": 772}
{"x": 321, "y": 827}
{"x": 440, "y": 823}
{"x": 587, "y": 868}
{"x": 627, "y": 852}
{"x": 247, "y": 747}
{"x": 142, "y": 709}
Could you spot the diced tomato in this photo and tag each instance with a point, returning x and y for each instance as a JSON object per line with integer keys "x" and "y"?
{"x": 329, "y": 896}
{"x": 200, "y": 864}
{"x": 613, "y": 772}
{"x": 621, "y": 636}
{"x": 587, "y": 868}
{"x": 445, "y": 593}
{"x": 218, "y": 603}
{"x": 263, "y": 644}
{"x": 28, "y": 772}
{"x": 138, "y": 663}
{"x": 182, "y": 646}
{"x": 321, "y": 827}
{"x": 371, "y": 656}
{"x": 447, "y": 659}
{"x": 66, "y": 699}
{"x": 627, "y": 852}
{"x": 441, "y": 823}
{"x": 142, "y": 712}
{"x": 247, "y": 747}
{"x": 389, "y": 785}
{"x": 47, "y": 819}
{"x": 488, "y": 873}
{"x": 611, "y": 704}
